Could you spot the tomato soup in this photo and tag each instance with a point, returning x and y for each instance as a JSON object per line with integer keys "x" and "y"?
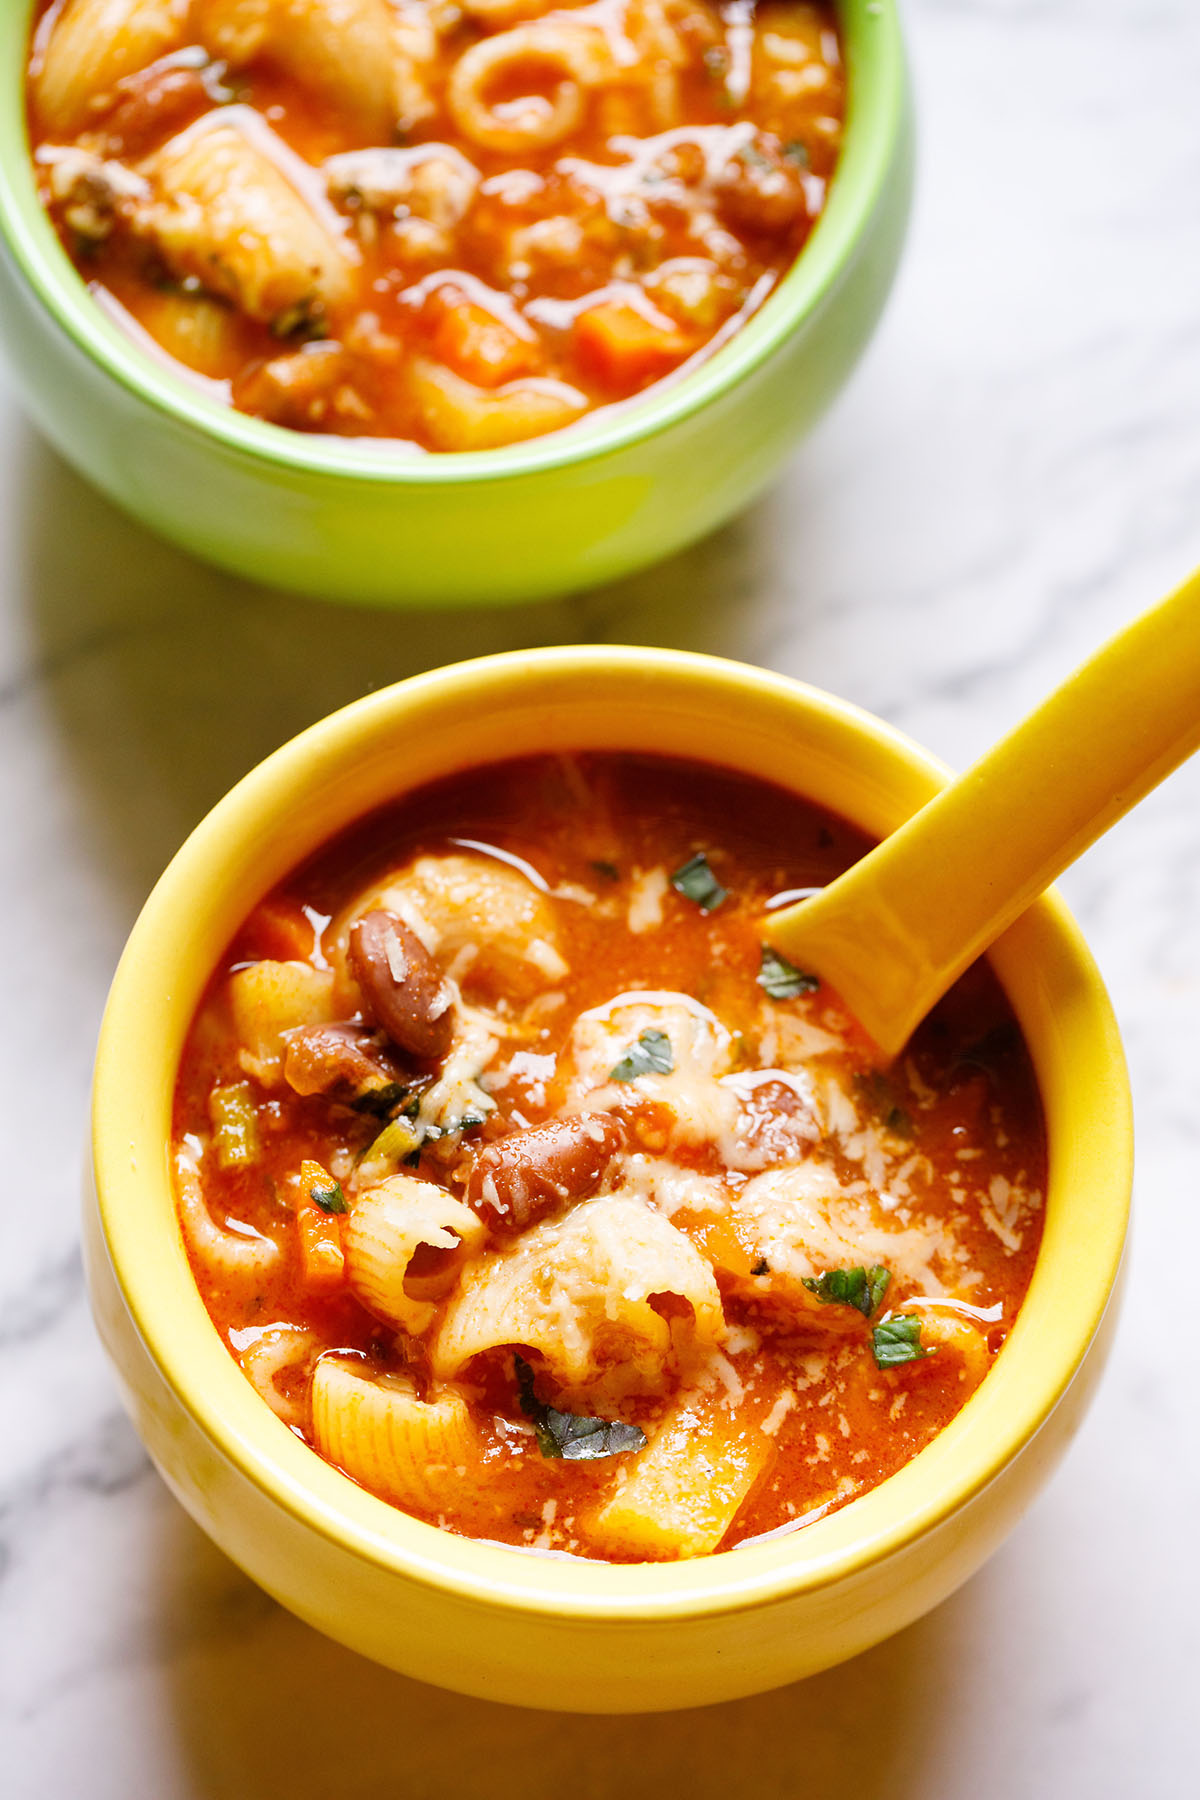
{"x": 530, "y": 1189}
{"x": 455, "y": 223}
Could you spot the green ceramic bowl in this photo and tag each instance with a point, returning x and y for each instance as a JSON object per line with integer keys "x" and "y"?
{"x": 360, "y": 522}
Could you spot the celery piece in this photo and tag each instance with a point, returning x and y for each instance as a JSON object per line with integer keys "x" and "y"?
{"x": 235, "y": 1125}
{"x": 397, "y": 1140}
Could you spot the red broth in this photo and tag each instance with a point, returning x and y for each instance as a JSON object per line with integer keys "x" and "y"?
{"x": 743, "y": 1271}
{"x": 457, "y": 225}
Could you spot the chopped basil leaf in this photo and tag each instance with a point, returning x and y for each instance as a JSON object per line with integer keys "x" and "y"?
{"x": 330, "y": 1199}
{"x": 863, "y": 1288}
{"x": 381, "y": 1100}
{"x": 899, "y": 1120}
{"x": 468, "y": 1122}
{"x": 608, "y": 871}
{"x": 762, "y": 1267}
{"x": 696, "y": 882}
{"x": 782, "y": 979}
{"x": 796, "y": 152}
{"x": 898, "y": 1340}
{"x": 651, "y": 1055}
{"x": 567, "y": 1435}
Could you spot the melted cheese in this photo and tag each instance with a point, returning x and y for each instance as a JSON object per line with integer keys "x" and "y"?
{"x": 801, "y": 1220}
{"x": 579, "y": 1292}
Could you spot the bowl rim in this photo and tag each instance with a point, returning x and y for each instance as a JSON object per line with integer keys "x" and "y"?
{"x": 1092, "y": 1176}
{"x": 877, "y": 100}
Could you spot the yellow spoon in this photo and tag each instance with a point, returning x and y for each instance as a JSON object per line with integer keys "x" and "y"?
{"x": 893, "y": 932}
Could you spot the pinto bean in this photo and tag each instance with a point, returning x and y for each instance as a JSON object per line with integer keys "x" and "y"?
{"x": 531, "y": 1171}
{"x": 402, "y": 987}
{"x": 343, "y": 1061}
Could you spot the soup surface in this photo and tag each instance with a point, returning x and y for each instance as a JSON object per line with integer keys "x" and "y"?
{"x": 459, "y": 223}
{"x": 529, "y": 1189}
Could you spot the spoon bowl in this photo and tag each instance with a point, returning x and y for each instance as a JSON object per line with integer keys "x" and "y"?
{"x": 900, "y": 926}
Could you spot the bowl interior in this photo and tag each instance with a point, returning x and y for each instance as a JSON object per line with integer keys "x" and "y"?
{"x": 876, "y": 100}
{"x": 594, "y": 699}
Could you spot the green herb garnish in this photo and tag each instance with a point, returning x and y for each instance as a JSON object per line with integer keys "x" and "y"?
{"x": 863, "y": 1288}
{"x": 651, "y": 1055}
{"x": 796, "y": 152}
{"x": 567, "y": 1435}
{"x": 782, "y": 979}
{"x": 696, "y": 882}
{"x": 608, "y": 871}
{"x": 381, "y": 1099}
{"x": 330, "y": 1199}
{"x": 897, "y": 1341}
{"x": 468, "y": 1121}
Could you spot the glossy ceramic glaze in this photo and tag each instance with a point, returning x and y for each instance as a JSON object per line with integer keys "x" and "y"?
{"x": 501, "y": 1623}
{"x": 357, "y": 521}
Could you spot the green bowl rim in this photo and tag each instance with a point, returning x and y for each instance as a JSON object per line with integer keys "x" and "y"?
{"x": 876, "y": 118}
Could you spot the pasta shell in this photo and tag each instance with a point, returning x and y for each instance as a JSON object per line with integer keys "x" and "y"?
{"x": 388, "y": 1224}
{"x": 93, "y": 45}
{"x": 409, "y": 1451}
{"x": 233, "y": 211}
{"x": 581, "y": 1291}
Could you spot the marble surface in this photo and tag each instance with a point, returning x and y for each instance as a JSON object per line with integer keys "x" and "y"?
{"x": 1014, "y": 470}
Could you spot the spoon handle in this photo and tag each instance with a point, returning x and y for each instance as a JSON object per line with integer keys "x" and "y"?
{"x": 893, "y": 932}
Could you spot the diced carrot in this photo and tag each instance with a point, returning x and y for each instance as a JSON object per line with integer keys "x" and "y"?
{"x": 321, "y": 1260}
{"x": 279, "y": 931}
{"x": 321, "y": 1202}
{"x": 622, "y": 347}
{"x": 481, "y": 347}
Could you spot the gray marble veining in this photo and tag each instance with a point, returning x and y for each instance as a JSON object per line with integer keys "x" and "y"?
{"x": 1013, "y": 472}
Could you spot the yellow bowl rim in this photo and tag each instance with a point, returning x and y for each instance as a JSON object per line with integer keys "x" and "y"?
{"x": 142, "y": 1236}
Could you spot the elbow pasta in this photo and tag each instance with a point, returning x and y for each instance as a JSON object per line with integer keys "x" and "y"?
{"x": 520, "y": 1197}
{"x": 458, "y": 227}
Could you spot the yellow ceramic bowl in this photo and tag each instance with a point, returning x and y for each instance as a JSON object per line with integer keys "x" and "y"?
{"x": 488, "y": 1620}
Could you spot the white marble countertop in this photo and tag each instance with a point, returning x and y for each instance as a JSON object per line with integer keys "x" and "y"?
{"x": 1013, "y": 472}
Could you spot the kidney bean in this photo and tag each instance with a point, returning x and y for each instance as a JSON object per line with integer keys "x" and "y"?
{"x": 152, "y": 104}
{"x": 531, "y": 1171}
{"x": 778, "y": 1125}
{"x": 402, "y": 987}
{"x": 344, "y": 1061}
{"x": 760, "y": 190}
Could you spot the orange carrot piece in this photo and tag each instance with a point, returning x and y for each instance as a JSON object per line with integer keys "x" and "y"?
{"x": 280, "y": 931}
{"x": 321, "y": 1261}
{"x": 481, "y": 348}
{"x": 621, "y": 347}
